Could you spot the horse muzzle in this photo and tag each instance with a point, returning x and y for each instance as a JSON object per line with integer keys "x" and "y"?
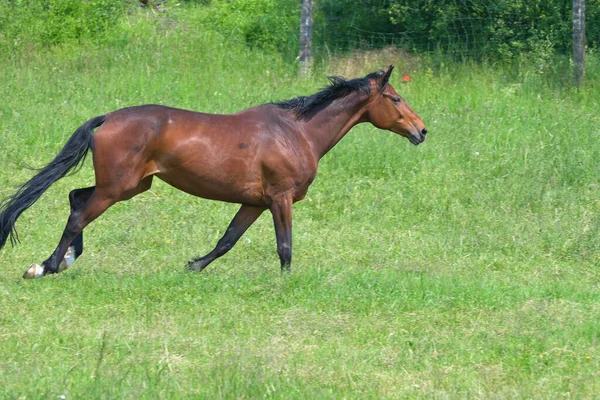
{"x": 418, "y": 137}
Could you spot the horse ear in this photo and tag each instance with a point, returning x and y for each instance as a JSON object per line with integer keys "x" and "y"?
{"x": 385, "y": 78}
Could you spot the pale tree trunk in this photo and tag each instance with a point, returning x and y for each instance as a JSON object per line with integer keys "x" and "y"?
{"x": 306, "y": 29}
{"x": 578, "y": 41}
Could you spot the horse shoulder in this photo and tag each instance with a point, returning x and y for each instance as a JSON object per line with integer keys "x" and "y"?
{"x": 288, "y": 163}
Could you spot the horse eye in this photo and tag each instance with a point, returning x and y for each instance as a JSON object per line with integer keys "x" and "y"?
{"x": 396, "y": 99}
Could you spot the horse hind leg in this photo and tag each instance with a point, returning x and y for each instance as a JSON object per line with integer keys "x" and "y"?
{"x": 78, "y": 219}
{"x": 88, "y": 205}
{"x": 77, "y": 198}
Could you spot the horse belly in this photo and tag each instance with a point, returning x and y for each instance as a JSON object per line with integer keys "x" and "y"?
{"x": 216, "y": 183}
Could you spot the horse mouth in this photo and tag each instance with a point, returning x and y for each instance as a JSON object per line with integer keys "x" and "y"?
{"x": 416, "y": 139}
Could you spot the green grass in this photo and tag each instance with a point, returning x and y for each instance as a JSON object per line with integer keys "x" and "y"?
{"x": 467, "y": 267}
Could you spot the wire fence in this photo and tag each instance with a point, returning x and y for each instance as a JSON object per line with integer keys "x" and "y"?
{"x": 470, "y": 28}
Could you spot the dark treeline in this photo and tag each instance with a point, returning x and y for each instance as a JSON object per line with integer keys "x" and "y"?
{"x": 497, "y": 29}
{"x": 492, "y": 28}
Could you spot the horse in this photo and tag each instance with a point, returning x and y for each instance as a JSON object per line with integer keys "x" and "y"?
{"x": 264, "y": 157}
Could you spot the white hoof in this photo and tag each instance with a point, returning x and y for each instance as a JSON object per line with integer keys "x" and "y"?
{"x": 37, "y": 271}
{"x": 68, "y": 260}
{"x": 34, "y": 271}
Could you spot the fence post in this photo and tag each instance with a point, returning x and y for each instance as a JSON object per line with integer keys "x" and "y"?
{"x": 306, "y": 29}
{"x": 578, "y": 41}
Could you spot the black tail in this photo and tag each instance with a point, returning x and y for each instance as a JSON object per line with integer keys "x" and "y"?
{"x": 72, "y": 155}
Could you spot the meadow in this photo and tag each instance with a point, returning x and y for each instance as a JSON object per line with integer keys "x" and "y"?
{"x": 466, "y": 267}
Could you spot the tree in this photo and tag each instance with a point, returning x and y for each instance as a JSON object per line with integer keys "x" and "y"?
{"x": 306, "y": 29}
{"x": 579, "y": 41}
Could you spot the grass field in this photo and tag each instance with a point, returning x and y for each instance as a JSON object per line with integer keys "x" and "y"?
{"x": 467, "y": 267}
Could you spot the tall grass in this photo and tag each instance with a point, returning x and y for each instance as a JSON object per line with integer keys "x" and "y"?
{"x": 465, "y": 267}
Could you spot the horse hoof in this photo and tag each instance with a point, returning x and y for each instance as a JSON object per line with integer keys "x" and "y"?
{"x": 34, "y": 271}
{"x": 68, "y": 260}
{"x": 196, "y": 266}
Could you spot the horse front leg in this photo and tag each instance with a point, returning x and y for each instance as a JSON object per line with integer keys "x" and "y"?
{"x": 245, "y": 217}
{"x": 282, "y": 218}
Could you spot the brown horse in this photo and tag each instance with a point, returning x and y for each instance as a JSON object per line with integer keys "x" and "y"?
{"x": 264, "y": 157}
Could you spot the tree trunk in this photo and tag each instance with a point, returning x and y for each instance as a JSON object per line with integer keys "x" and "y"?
{"x": 306, "y": 29}
{"x": 578, "y": 41}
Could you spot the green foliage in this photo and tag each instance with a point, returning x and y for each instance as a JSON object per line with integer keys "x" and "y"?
{"x": 30, "y": 23}
{"x": 481, "y": 29}
{"x": 498, "y": 29}
{"x": 263, "y": 24}
{"x": 592, "y": 29}
{"x": 348, "y": 24}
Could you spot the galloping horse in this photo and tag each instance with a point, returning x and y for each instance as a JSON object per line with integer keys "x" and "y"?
{"x": 264, "y": 157}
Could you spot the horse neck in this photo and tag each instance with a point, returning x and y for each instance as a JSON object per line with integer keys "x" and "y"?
{"x": 328, "y": 126}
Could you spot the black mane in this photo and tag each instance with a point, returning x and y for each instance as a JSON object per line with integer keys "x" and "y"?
{"x": 339, "y": 87}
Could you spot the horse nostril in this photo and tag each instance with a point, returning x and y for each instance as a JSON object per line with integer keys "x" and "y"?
{"x": 424, "y": 131}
